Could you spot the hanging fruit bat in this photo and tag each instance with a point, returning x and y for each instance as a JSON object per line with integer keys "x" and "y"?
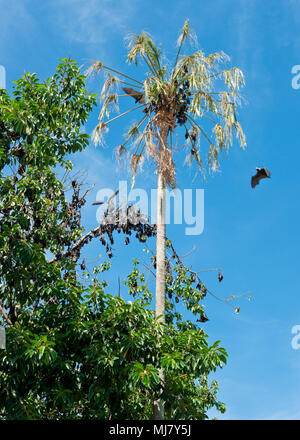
{"x": 203, "y": 318}
{"x": 138, "y": 96}
{"x": 261, "y": 173}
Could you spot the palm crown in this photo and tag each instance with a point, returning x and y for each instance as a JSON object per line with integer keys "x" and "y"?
{"x": 180, "y": 96}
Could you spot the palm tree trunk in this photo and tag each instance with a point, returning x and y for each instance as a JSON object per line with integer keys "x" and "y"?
{"x": 160, "y": 291}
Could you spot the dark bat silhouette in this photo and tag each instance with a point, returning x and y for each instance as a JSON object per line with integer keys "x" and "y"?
{"x": 203, "y": 318}
{"x": 261, "y": 173}
{"x": 138, "y": 96}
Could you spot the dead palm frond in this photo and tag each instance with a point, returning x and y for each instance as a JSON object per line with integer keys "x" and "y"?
{"x": 197, "y": 93}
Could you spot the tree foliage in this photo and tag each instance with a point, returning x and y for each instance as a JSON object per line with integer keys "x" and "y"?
{"x": 73, "y": 349}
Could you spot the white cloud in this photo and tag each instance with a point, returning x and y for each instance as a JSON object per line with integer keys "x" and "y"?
{"x": 93, "y": 22}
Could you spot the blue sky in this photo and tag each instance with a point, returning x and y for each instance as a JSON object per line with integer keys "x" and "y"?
{"x": 251, "y": 234}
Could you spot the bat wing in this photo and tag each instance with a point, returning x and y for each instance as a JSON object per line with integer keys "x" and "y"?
{"x": 261, "y": 173}
{"x": 203, "y": 318}
{"x": 138, "y": 96}
{"x": 266, "y": 172}
{"x": 254, "y": 180}
{"x": 130, "y": 92}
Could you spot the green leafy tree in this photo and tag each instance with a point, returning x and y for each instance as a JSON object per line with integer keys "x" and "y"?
{"x": 188, "y": 95}
{"x": 73, "y": 349}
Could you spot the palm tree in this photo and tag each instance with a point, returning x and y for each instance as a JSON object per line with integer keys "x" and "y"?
{"x": 189, "y": 92}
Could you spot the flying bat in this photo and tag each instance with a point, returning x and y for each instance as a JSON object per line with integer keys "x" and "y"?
{"x": 111, "y": 197}
{"x": 261, "y": 173}
{"x": 138, "y": 96}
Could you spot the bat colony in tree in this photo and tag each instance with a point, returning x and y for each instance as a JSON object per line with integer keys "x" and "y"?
{"x": 262, "y": 173}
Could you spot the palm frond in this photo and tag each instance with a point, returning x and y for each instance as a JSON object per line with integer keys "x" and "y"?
{"x": 135, "y": 161}
{"x": 151, "y": 145}
{"x": 110, "y": 103}
{"x": 137, "y": 46}
{"x": 143, "y": 46}
{"x": 98, "y": 133}
{"x": 187, "y": 33}
{"x": 213, "y": 158}
{"x": 121, "y": 150}
{"x": 111, "y": 84}
{"x": 94, "y": 69}
{"x": 240, "y": 134}
{"x": 134, "y": 130}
